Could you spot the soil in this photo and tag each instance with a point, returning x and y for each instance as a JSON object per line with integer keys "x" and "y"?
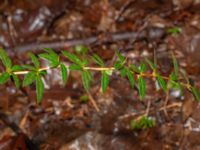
{"x": 137, "y": 29}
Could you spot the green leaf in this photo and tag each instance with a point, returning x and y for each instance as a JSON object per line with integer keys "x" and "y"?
{"x": 142, "y": 87}
{"x": 176, "y": 85}
{"x": 130, "y": 77}
{"x": 142, "y": 67}
{"x": 52, "y": 53}
{"x": 143, "y": 123}
{"x": 5, "y": 59}
{"x": 176, "y": 67}
{"x": 29, "y": 67}
{"x": 39, "y": 89}
{"x": 196, "y": 93}
{"x": 72, "y": 57}
{"x": 86, "y": 78}
{"x": 173, "y": 77}
{"x": 109, "y": 72}
{"x": 173, "y": 82}
{"x": 53, "y": 62}
{"x": 51, "y": 56}
{"x": 16, "y": 80}
{"x": 120, "y": 57}
{"x": 118, "y": 65}
{"x": 84, "y": 98}
{"x": 35, "y": 60}
{"x": 17, "y": 68}
{"x": 75, "y": 67}
{"x": 29, "y": 78}
{"x": 134, "y": 68}
{"x": 4, "y": 77}
{"x": 85, "y": 62}
{"x": 43, "y": 72}
{"x": 81, "y": 49}
{"x": 46, "y": 56}
{"x": 151, "y": 64}
{"x": 162, "y": 82}
{"x": 98, "y": 60}
{"x": 123, "y": 72}
{"x": 174, "y": 30}
{"x": 135, "y": 124}
{"x": 64, "y": 73}
{"x": 104, "y": 81}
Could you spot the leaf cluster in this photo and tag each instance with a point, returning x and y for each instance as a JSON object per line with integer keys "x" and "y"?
{"x": 174, "y": 30}
{"x": 143, "y": 122}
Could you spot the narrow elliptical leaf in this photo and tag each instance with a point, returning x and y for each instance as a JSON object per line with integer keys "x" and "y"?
{"x": 130, "y": 77}
{"x": 85, "y": 62}
{"x": 118, "y": 65}
{"x": 46, "y": 56}
{"x": 52, "y": 53}
{"x": 29, "y": 67}
{"x": 29, "y": 78}
{"x": 43, "y": 72}
{"x": 134, "y": 68}
{"x": 64, "y": 73}
{"x": 81, "y": 49}
{"x": 17, "y": 68}
{"x": 174, "y": 82}
{"x": 5, "y": 59}
{"x": 39, "y": 88}
{"x": 4, "y": 77}
{"x": 123, "y": 72}
{"x": 196, "y": 93}
{"x": 72, "y": 57}
{"x": 98, "y": 60}
{"x": 151, "y": 64}
{"x": 35, "y": 60}
{"x": 162, "y": 83}
{"x": 142, "y": 67}
{"x": 51, "y": 56}
{"x": 16, "y": 80}
{"x": 104, "y": 81}
{"x": 142, "y": 87}
{"x": 175, "y": 63}
{"x": 75, "y": 67}
{"x": 120, "y": 57}
{"x": 86, "y": 78}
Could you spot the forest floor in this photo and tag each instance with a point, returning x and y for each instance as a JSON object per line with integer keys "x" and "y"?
{"x": 137, "y": 29}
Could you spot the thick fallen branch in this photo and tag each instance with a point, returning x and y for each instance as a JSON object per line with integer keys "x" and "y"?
{"x": 97, "y": 40}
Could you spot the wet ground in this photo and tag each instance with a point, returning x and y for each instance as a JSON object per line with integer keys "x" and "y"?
{"x": 137, "y": 29}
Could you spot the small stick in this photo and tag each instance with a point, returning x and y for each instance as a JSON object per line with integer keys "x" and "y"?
{"x": 148, "y": 108}
{"x": 93, "y": 102}
{"x": 166, "y": 102}
{"x": 143, "y": 112}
